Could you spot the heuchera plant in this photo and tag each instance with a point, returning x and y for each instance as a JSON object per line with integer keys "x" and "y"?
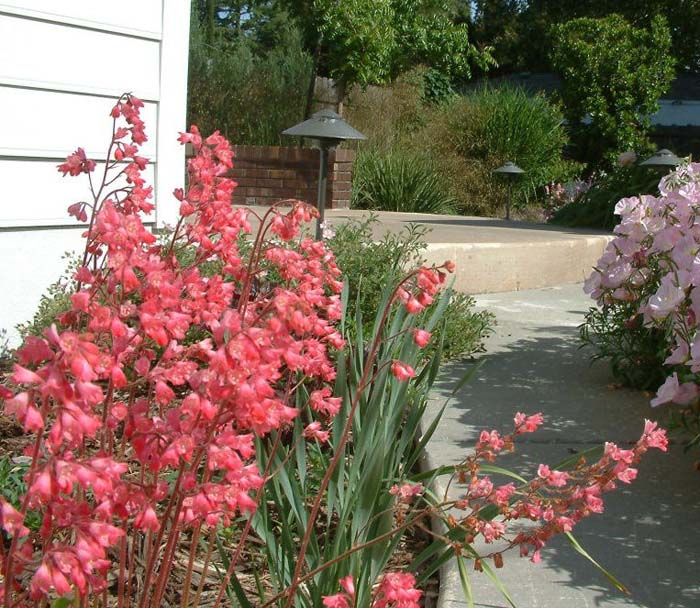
{"x": 145, "y": 397}
{"x": 142, "y": 433}
{"x": 653, "y": 264}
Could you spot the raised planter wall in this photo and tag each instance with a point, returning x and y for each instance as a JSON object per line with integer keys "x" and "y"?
{"x": 267, "y": 174}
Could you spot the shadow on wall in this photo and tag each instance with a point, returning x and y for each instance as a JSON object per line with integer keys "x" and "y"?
{"x": 649, "y": 535}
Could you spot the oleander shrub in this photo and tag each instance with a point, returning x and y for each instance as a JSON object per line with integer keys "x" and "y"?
{"x": 595, "y": 208}
{"x": 647, "y": 321}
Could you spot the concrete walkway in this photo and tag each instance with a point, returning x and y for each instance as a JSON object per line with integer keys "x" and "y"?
{"x": 649, "y": 535}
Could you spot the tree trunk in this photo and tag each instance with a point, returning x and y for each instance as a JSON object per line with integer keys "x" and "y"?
{"x": 211, "y": 20}
{"x": 312, "y": 86}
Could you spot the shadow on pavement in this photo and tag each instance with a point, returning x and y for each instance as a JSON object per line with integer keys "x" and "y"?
{"x": 649, "y": 535}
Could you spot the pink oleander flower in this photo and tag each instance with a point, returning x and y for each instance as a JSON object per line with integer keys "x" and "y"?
{"x": 406, "y": 491}
{"x": 402, "y": 371}
{"x": 421, "y": 337}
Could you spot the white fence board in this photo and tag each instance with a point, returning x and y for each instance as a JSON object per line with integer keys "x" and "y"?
{"x": 134, "y": 15}
{"x": 47, "y": 55}
{"x": 37, "y": 194}
{"x": 51, "y": 125}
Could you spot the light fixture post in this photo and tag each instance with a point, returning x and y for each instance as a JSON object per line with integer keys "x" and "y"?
{"x": 510, "y": 171}
{"x": 328, "y": 129}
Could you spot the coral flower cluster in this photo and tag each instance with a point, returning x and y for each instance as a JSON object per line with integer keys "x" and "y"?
{"x": 146, "y": 395}
{"x": 552, "y": 503}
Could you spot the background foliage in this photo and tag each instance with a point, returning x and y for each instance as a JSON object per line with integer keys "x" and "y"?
{"x": 471, "y": 136}
{"x": 248, "y": 91}
{"x": 520, "y": 32}
{"x": 613, "y": 73}
{"x": 369, "y": 265}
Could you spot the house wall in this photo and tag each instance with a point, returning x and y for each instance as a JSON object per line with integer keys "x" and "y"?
{"x": 62, "y": 65}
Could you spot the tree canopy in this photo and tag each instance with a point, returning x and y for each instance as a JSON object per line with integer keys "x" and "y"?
{"x": 521, "y": 30}
{"x": 613, "y": 73}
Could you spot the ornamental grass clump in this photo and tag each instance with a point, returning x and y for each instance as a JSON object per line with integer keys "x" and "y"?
{"x": 646, "y": 287}
{"x": 176, "y": 415}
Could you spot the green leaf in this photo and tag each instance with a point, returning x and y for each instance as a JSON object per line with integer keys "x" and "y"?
{"x": 234, "y": 587}
{"x": 576, "y": 545}
{"x": 464, "y": 578}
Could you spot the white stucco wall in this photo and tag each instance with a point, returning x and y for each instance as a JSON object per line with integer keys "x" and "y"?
{"x": 62, "y": 65}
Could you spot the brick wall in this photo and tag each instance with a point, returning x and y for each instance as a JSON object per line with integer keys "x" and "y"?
{"x": 267, "y": 174}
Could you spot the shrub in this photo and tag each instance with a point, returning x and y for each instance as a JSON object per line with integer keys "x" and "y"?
{"x": 369, "y": 265}
{"x": 388, "y": 115}
{"x": 613, "y": 73}
{"x": 646, "y": 287}
{"x": 595, "y": 208}
{"x": 399, "y": 180}
{"x": 471, "y": 136}
{"x": 53, "y": 303}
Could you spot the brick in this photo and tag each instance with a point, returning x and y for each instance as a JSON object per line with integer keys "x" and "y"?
{"x": 344, "y": 155}
{"x": 342, "y": 176}
{"x": 243, "y": 164}
{"x": 270, "y": 183}
{"x": 256, "y": 172}
{"x": 246, "y": 181}
{"x": 270, "y": 152}
{"x": 282, "y": 174}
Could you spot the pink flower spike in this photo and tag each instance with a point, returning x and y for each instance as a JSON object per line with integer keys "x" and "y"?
{"x": 77, "y": 210}
{"x": 653, "y": 437}
{"x": 402, "y": 371}
{"x": 421, "y": 337}
{"x": 348, "y": 584}
{"x": 556, "y": 479}
{"x": 313, "y": 431}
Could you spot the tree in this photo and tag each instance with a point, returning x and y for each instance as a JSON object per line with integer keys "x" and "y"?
{"x": 372, "y": 41}
{"x": 497, "y": 24}
{"x": 614, "y": 73}
{"x": 683, "y": 18}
